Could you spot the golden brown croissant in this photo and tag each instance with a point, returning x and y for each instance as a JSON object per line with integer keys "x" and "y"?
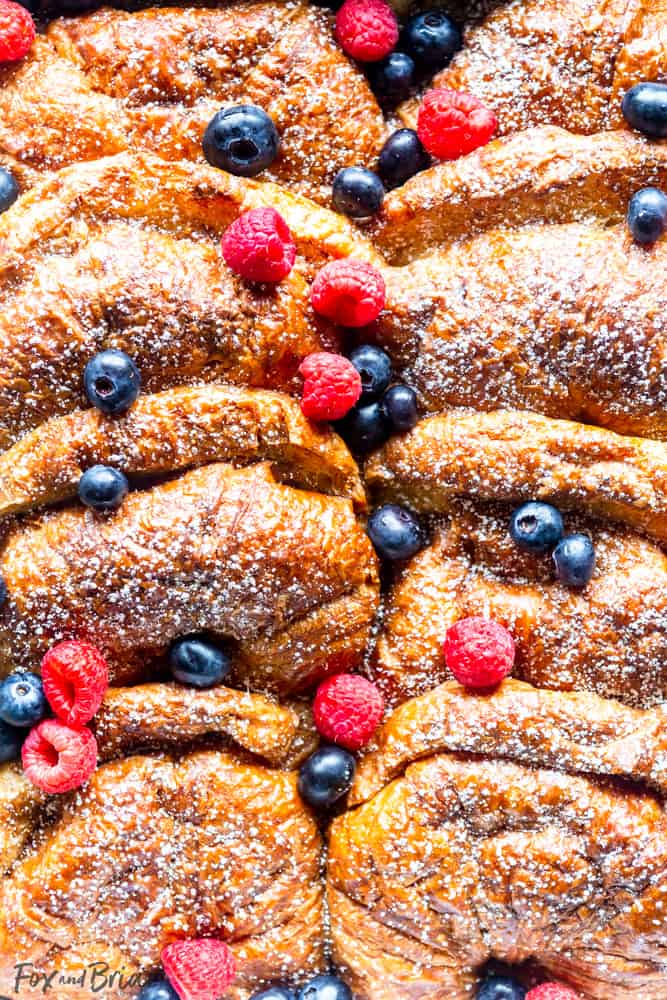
{"x": 115, "y": 81}
{"x": 475, "y": 850}
{"x": 288, "y": 577}
{"x": 124, "y": 252}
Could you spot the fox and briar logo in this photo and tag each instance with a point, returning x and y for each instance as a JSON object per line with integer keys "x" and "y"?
{"x": 95, "y": 977}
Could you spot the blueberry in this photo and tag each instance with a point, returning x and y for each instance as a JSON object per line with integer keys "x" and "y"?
{"x": 196, "y": 660}
{"x": 326, "y": 776}
{"x": 400, "y": 405}
{"x": 647, "y": 215}
{"x": 325, "y": 988}
{"x": 645, "y": 109}
{"x": 112, "y": 381}
{"x": 501, "y": 988}
{"x": 357, "y": 192}
{"x": 22, "y": 699}
{"x": 395, "y": 532}
{"x": 401, "y": 157}
{"x": 364, "y": 428}
{"x": 11, "y": 739}
{"x": 242, "y": 140}
{"x": 392, "y": 79}
{"x": 536, "y": 527}
{"x": 431, "y": 39}
{"x": 158, "y": 989}
{"x": 574, "y": 559}
{"x": 102, "y": 488}
{"x": 374, "y": 366}
{"x": 9, "y": 189}
{"x": 4, "y": 593}
{"x": 274, "y": 993}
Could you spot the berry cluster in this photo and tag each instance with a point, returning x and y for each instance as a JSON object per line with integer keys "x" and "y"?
{"x": 538, "y": 528}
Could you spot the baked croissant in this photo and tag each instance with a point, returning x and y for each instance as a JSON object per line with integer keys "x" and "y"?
{"x": 115, "y": 81}
{"x": 481, "y": 831}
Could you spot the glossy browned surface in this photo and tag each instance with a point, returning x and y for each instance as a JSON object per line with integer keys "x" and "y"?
{"x": 288, "y": 576}
{"x": 124, "y": 252}
{"x": 610, "y": 638}
{"x": 155, "y": 850}
{"x": 567, "y": 63}
{"x": 464, "y": 858}
{"x": 514, "y": 456}
{"x": 116, "y": 81}
{"x": 173, "y": 430}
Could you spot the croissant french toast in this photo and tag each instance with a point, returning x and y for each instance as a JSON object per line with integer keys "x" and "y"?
{"x": 115, "y": 81}
{"x": 481, "y": 832}
{"x": 157, "y": 848}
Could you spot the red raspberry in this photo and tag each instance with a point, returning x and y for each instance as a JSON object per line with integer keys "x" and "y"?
{"x": 57, "y": 757}
{"x": 75, "y": 678}
{"x": 552, "y": 991}
{"x": 200, "y": 969}
{"x": 452, "y": 123}
{"x": 17, "y": 31}
{"x": 367, "y": 30}
{"x": 348, "y": 292}
{"x": 259, "y": 246}
{"x": 331, "y": 387}
{"x": 347, "y": 710}
{"x": 479, "y": 652}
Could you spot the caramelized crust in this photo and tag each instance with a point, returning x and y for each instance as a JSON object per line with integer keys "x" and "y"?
{"x": 516, "y": 456}
{"x": 610, "y": 638}
{"x": 562, "y": 63}
{"x": 173, "y": 430}
{"x": 115, "y": 81}
{"x": 124, "y": 252}
{"x": 465, "y": 858}
{"x": 288, "y": 577}
{"x": 155, "y": 850}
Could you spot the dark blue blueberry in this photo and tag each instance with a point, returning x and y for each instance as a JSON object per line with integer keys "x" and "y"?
{"x": 431, "y": 39}
{"x": 574, "y": 559}
{"x": 357, "y": 192}
{"x": 400, "y": 405}
{"x": 196, "y": 660}
{"x": 401, "y": 157}
{"x": 392, "y": 79}
{"x": 3, "y": 591}
{"x": 364, "y": 428}
{"x": 501, "y": 988}
{"x": 274, "y": 993}
{"x": 22, "y": 699}
{"x": 9, "y": 189}
{"x": 158, "y": 989}
{"x": 11, "y": 740}
{"x": 102, "y": 488}
{"x": 242, "y": 140}
{"x": 325, "y": 988}
{"x": 536, "y": 527}
{"x": 395, "y": 532}
{"x": 645, "y": 109}
{"x": 374, "y": 367}
{"x": 647, "y": 215}
{"x": 112, "y": 381}
{"x": 325, "y": 777}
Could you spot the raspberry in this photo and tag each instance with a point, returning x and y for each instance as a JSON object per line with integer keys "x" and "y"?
{"x": 200, "y": 969}
{"x": 348, "y": 292}
{"x": 58, "y": 757}
{"x": 17, "y": 31}
{"x": 479, "y": 652}
{"x": 452, "y": 123}
{"x": 366, "y": 30}
{"x": 259, "y": 246}
{"x": 75, "y": 677}
{"x": 347, "y": 710}
{"x": 552, "y": 991}
{"x": 332, "y": 385}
